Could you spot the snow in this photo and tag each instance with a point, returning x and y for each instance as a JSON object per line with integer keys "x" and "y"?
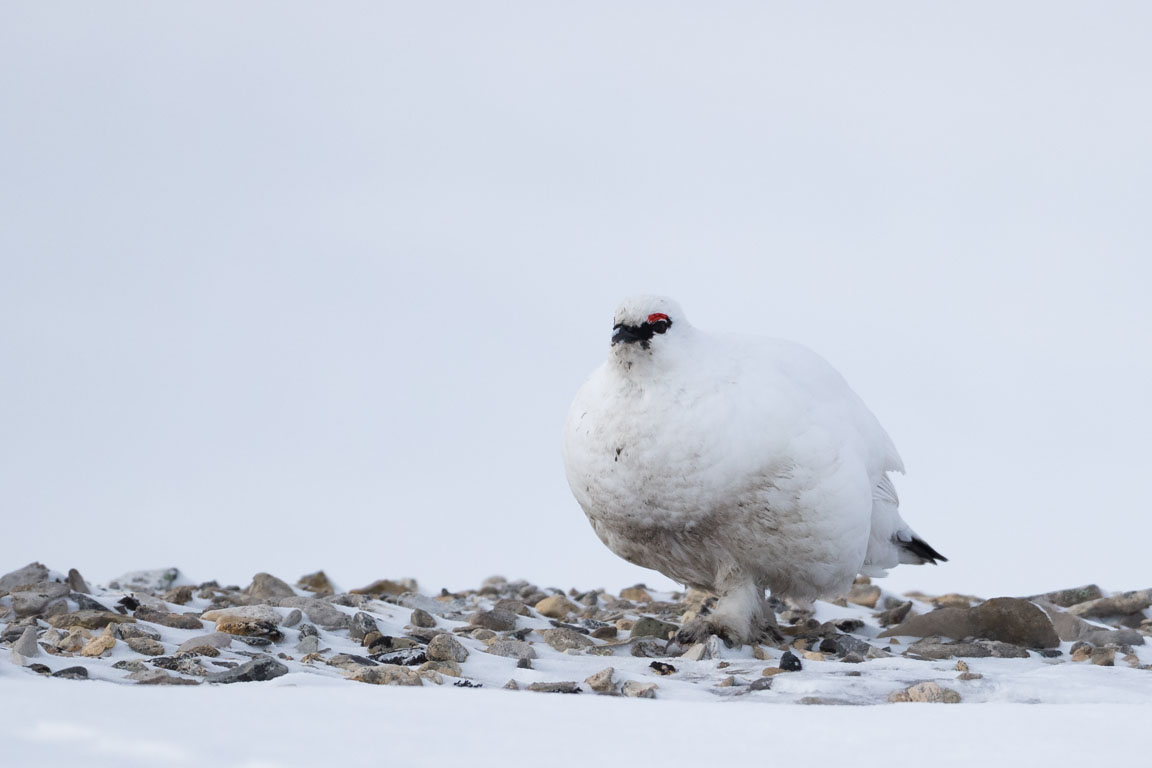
{"x": 301, "y": 721}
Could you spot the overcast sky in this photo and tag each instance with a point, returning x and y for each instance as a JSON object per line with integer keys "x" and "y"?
{"x": 287, "y": 286}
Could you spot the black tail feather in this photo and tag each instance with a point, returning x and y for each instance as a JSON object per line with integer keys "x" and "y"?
{"x": 923, "y": 550}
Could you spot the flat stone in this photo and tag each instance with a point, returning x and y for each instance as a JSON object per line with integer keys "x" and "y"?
{"x": 165, "y": 619}
{"x": 156, "y": 580}
{"x": 317, "y": 583}
{"x": 72, "y": 673}
{"x": 555, "y": 607}
{"x": 212, "y": 640}
{"x": 421, "y": 618}
{"x": 497, "y": 620}
{"x": 249, "y": 628}
{"x": 386, "y": 674}
{"x": 1113, "y": 637}
{"x": 86, "y": 603}
{"x": 842, "y": 645}
{"x": 930, "y": 649}
{"x": 185, "y": 663}
{"x": 350, "y": 661}
{"x": 515, "y": 649}
{"x": 932, "y": 693}
{"x": 566, "y": 686}
{"x": 89, "y": 619}
{"x": 258, "y": 669}
{"x": 646, "y": 626}
{"x": 565, "y": 639}
{"x": 265, "y": 586}
{"x": 244, "y": 613}
{"x": 450, "y": 668}
{"x": 159, "y": 677}
{"x": 33, "y": 599}
{"x": 1117, "y": 605}
{"x": 445, "y": 647}
{"x": 605, "y": 633}
{"x": 1066, "y": 598}
{"x": 308, "y": 644}
{"x": 132, "y": 665}
{"x": 33, "y": 573}
{"x": 639, "y": 690}
{"x": 386, "y": 587}
{"x": 1006, "y": 619}
{"x": 866, "y": 595}
{"x": 146, "y": 646}
{"x": 319, "y": 612}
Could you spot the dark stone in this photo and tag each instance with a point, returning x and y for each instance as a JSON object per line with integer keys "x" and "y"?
{"x": 842, "y": 645}
{"x": 790, "y": 663}
{"x": 76, "y": 582}
{"x": 128, "y": 602}
{"x": 931, "y": 648}
{"x": 421, "y": 618}
{"x": 849, "y": 625}
{"x": 524, "y": 663}
{"x": 308, "y": 629}
{"x": 263, "y": 668}
{"x": 255, "y": 642}
{"x": 406, "y": 657}
{"x": 72, "y": 673}
{"x": 662, "y": 668}
{"x": 760, "y": 684}
{"x": 40, "y": 669}
{"x": 88, "y": 619}
{"x": 85, "y": 603}
{"x": 362, "y": 625}
{"x": 573, "y": 627}
{"x": 894, "y": 615}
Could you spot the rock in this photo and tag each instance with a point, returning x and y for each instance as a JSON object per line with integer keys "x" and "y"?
{"x": 1081, "y": 652}
{"x": 1113, "y": 637}
{"x": 558, "y": 687}
{"x": 258, "y": 669}
{"x": 602, "y": 681}
{"x": 308, "y": 644}
{"x": 72, "y": 673}
{"x": 165, "y": 619}
{"x": 386, "y": 674}
{"x": 481, "y": 634}
{"x": 244, "y": 613}
{"x": 13, "y": 631}
{"x": 697, "y": 652}
{"x": 563, "y": 639}
{"x": 317, "y": 583}
{"x": 932, "y": 693}
{"x": 157, "y": 580}
{"x": 930, "y": 648}
{"x": 1117, "y": 605}
{"x": 523, "y": 664}
{"x": 33, "y": 599}
{"x": 605, "y": 633}
{"x": 555, "y": 607}
{"x": 1006, "y": 619}
{"x": 789, "y": 662}
{"x": 349, "y": 661}
{"x": 864, "y": 594}
{"x": 662, "y": 668}
{"x": 386, "y": 587}
{"x": 852, "y": 658}
{"x": 265, "y": 586}
{"x": 132, "y": 665}
{"x": 814, "y": 656}
{"x": 186, "y": 663}
{"x": 515, "y": 649}
{"x": 497, "y": 620}
{"x": 639, "y": 690}
{"x": 76, "y": 582}
{"x": 1066, "y": 598}
{"x": 293, "y": 618}
{"x": 450, "y": 668}
{"x": 842, "y": 645}
{"x": 894, "y": 615}
{"x": 318, "y": 611}
{"x": 89, "y": 619}
{"x": 954, "y": 600}
{"x": 646, "y": 626}
{"x": 637, "y": 594}
{"x": 33, "y": 573}
{"x": 159, "y": 677}
{"x": 25, "y": 646}
{"x": 179, "y": 595}
{"x": 212, "y": 640}
{"x": 445, "y": 647}
{"x": 146, "y": 646}
{"x": 86, "y": 603}
{"x": 421, "y": 618}
{"x": 362, "y": 625}
{"x": 1103, "y": 657}
{"x": 250, "y": 628}
{"x": 76, "y": 639}
{"x": 100, "y": 644}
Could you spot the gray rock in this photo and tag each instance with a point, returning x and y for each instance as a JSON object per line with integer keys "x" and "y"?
{"x": 362, "y": 624}
{"x": 256, "y": 670}
{"x": 165, "y": 619}
{"x": 350, "y": 661}
{"x": 386, "y": 674}
{"x": 132, "y": 665}
{"x": 1066, "y": 598}
{"x": 86, "y": 603}
{"x": 639, "y": 690}
{"x": 25, "y": 647}
{"x": 421, "y": 618}
{"x": 72, "y": 673}
{"x": 514, "y": 649}
{"x": 646, "y": 626}
{"x": 76, "y": 582}
{"x": 566, "y": 686}
{"x": 602, "y": 681}
{"x": 293, "y": 618}
{"x": 1117, "y": 605}
{"x": 563, "y": 639}
{"x": 933, "y": 649}
{"x": 894, "y": 615}
{"x": 497, "y": 620}
{"x": 308, "y": 629}
{"x": 184, "y": 663}
{"x": 445, "y": 647}
{"x": 13, "y": 631}
{"x": 318, "y": 611}
{"x": 159, "y": 677}
{"x": 146, "y": 646}
{"x": 157, "y": 580}
{"x": 265, "y": 586}
{"x": 33, "y": 573}
{"x": 308, "y": 644}
{"x": 1007, "y": 619}
{"x": 89, "y": 619}
{"x": 32, "y": 600}
{"x": 842, "y": 645}
{"x": 1113, "y": 637}
{"x": 210, "y": 640}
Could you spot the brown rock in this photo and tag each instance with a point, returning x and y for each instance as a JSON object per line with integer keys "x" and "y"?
{"x": 929, "y": 693}
{"x": 637, "y": 594}
{"x": 100, "y": 644}
{"x": 605, "y": 633}
{"x": 1007, "y": 619}
{"x": 445, "y": 647}
{"x": 386, "y": 674}
{"x": 602, "y": 681}
{"x": 165, "y": 619}
{"x": 89, "y": 619}
{"x": 386, "y": 587}
{"x": 1117, "y": 605}
{"x": 563, "y": 639}
{"x": 894, "y": 615}
{"x": 265, "y": 586}
{"x": 1066, "y": 598}
{"x": 76, "y": 582}
{"x": 555, "y": 607}
{"x": 864, "y": 594}
{"x": 317, "y": 583}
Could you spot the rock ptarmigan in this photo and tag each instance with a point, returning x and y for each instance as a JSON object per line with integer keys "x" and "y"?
{"x": 733, "y": 465}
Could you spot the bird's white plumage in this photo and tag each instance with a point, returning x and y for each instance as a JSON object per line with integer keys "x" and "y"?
{"x": 733, "y": 464}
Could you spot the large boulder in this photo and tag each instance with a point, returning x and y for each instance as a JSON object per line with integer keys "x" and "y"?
{"x": 1006, "y": 619}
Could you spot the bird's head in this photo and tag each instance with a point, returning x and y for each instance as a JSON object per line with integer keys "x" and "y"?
{"x": 645, "y": 323}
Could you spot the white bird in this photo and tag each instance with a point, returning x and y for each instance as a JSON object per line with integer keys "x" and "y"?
{"x": 733, "y": 465}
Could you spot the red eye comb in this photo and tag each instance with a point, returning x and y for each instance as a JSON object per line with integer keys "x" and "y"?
{"x": 657, "y": 316}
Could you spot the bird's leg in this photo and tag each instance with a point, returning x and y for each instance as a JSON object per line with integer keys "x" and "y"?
{"x": 740, "y": 616}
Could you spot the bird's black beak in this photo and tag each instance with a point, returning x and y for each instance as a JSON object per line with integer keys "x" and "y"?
{"x": 630, "y": 334}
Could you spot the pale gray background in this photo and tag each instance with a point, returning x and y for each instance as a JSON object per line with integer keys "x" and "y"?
{"x": 287, "y": 286}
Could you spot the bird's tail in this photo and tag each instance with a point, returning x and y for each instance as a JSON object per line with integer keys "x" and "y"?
{"x": 916, "y": 551}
